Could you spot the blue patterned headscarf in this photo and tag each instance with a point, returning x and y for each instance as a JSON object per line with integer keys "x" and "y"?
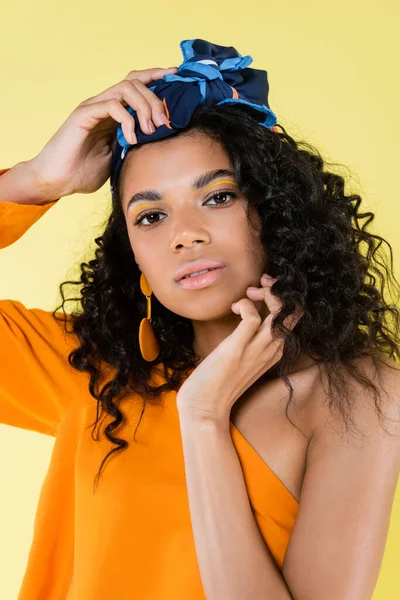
{"x": 209, "y": 74}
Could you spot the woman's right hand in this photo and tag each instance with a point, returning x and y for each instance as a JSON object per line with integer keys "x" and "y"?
{"x": 77, "y": 159}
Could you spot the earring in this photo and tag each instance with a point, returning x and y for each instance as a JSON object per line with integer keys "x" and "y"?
{"x": 148, "y": 343}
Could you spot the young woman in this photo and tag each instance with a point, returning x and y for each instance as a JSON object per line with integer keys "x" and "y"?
{"x": 205, "y": 478}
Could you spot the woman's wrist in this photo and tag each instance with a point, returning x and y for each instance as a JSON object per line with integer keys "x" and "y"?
{"x": 22, "y": 185}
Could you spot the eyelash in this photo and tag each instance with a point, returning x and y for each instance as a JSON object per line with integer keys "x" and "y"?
{"x": 139, "y": 219}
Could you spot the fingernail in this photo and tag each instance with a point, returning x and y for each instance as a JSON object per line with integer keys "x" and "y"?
{"x": 252, "y": 287}
{"x": 151, "y": 126}
{"x": 267, "y": 279}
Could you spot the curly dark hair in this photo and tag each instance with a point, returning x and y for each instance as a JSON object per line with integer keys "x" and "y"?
{"x": 314, "y": 246}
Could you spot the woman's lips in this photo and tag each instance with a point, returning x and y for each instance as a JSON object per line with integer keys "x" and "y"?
{"x": 196, "y": 282}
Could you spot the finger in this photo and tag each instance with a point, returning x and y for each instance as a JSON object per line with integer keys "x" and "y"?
{"x": 249, "y": 324}
{"x": 128, "y": 94}
{"x": 141, "y": 79}
{"x": 136, "y": 100}
{"x": 90, "y": 115}
{"x": 274, "y": 303}
{"x": 158, "y": 114}
{"x": 256, "y": 294}
{"x": 275, "y": 306}
{"x": 148, "y": 75}
{"x": 291, "y": 320}
{"x": 145, "y": 76}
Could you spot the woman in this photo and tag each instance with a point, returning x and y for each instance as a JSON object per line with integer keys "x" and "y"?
{"x": 218, "y": 485}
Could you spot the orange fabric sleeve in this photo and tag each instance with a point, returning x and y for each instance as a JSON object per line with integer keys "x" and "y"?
{"x": 36, "y": 381}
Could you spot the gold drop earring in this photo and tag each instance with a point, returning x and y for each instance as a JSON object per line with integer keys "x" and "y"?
{"x": 148, "y": 343}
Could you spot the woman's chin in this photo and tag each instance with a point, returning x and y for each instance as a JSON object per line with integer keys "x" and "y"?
{"x": 213, "y": 313}
{"x": 204, "y": 306}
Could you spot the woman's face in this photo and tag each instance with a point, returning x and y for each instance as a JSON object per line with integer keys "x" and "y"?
{"x": 174, "y": 223}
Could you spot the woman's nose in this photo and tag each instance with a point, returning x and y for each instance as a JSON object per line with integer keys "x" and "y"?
{"x": 189, "y": 231}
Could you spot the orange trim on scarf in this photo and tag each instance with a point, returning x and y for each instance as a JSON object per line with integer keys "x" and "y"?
{"x": 167, "y": 112}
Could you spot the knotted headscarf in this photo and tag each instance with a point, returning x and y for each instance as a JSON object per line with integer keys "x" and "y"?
{"x": 209, "y": 74}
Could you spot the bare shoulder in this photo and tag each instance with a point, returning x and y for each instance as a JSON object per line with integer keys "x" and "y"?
{"x": 373, "y": 411}
{"x": 351, "y": 477}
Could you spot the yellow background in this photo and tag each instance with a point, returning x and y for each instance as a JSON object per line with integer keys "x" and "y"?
{"x": 334, "y": 77}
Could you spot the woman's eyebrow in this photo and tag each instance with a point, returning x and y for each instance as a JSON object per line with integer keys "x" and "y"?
{"x": 199, "y": 182}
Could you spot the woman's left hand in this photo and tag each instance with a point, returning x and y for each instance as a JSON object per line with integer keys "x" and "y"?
{"x": 238, "y": 361}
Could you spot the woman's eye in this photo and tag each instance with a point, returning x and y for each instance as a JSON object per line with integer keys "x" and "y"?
{"x": 149, "y": 218}
{"x": 219, "y": 195}
{"x": 152, "y": 217}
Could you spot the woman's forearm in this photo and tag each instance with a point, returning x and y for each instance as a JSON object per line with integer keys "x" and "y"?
{"x": 21, "y": 185}
{"x": 233, "y": 558}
